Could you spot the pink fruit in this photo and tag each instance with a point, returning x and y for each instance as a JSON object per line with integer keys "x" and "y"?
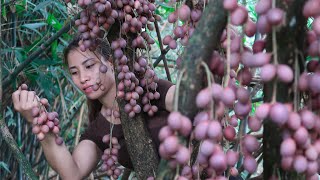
{"x": 183, "y": 155}
{"x": 214, "y": 130}
{"x": 165, "y": 132}
{"x": 229, "y": 133}
{"x": 207, "y": 147}
{"x": 254, "y": 123}
{"x": 279, "y": 113}
{"x": 288, "y": 147}
{"x": 232, "y": 157}
{"x": 228, "y": 97}
{"x": 230, "y": 5}
{"x": 300, "y": 164}
{"x": 171, "y": 145}
{"x": 184, "y": 13}
{"x": 275, "y": 16}
{"x": 201, "y": 129}
{"x": 251, "y": 143}
{"x": 268, "y": 72}
{"x": 218, "y": 161}
{"x": 284, "y": 73}
{"x": 250, "y": 164}
{"x": 204, "y": 98}
{"x": 263, "y": 6}
{"x": 250, "y": 28}
{"x": 294, "y": 121}
{"x": 239, "y": 16}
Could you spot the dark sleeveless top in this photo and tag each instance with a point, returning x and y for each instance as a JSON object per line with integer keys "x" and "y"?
{"x": 100, "y": 127}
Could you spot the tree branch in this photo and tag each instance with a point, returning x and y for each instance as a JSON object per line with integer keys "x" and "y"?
{"x": 205, "y": 38}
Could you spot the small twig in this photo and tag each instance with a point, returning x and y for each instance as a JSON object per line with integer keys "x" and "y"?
{"x": 163, "y": 53}
{"x": 296, "y": 74}
{"x": 275, "y": 57}
{"x": 161, "y": 48}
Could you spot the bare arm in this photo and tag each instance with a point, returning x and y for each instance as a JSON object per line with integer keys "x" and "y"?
{"x": 169, "y": 98}
{"x": 76, "y": 166}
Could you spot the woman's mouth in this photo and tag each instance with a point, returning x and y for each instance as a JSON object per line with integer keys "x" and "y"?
{"x": 88, "y": 89}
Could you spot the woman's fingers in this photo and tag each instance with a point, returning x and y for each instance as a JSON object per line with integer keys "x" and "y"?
{"x": 31, "y": 96}
{"x": 24, "y": 87}
{"x": 15, "y": 99}
{"x": 23, "y": 97}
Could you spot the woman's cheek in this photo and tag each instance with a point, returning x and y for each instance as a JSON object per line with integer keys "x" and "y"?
{"x": 76, "y": 82}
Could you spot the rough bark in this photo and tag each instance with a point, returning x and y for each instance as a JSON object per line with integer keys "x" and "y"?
{"x": 290, "y": 37}
{"x": 140, "y": 146}
{"x": 205, "y": 38}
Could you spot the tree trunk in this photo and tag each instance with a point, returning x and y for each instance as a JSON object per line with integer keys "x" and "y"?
{"x": 205, "y": 38}
{"x": 290, "y": 39}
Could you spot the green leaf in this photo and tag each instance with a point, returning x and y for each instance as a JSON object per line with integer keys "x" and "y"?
{"x": 34, "y": 26}
{"x": 165, "y": 6}
{"x": 20, "y": 9}
{"x": 4, "y": 11}
{"x": 12, "y": 122}
{"x": 54, "y": 46}
{"x": 4, "y": 166}
{"x": 9, "y": 113}
{"x": 52, "y": 20}
{"x": 42, "y": 5}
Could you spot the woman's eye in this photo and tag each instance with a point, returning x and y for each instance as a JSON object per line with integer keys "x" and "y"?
{"x": 89, "y": 66}
{"x": 73, "y": 73}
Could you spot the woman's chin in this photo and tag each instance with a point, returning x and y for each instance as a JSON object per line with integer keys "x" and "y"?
{"x": 92, "y": 96}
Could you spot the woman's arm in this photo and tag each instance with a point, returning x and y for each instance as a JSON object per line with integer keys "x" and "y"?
{"x": 76, "y": 166}
{"x": 169, "y": 98}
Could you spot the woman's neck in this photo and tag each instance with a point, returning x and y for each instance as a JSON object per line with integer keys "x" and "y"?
{"x": 109, "y": 99}
{"x": 109, "y": 103}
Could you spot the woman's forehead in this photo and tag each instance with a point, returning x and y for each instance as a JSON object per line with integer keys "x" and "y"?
{"x": 78, "y": 56}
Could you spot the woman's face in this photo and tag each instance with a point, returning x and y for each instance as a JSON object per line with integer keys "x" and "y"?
{"x": 85, "y": 73}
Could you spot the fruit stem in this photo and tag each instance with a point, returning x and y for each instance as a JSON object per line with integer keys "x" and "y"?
{"x": 210, "y": 79}
{"x": 176, "y": 93}
{"x": 177, "y": 172}
{"x": 227, "y": 77}
{"x": 296, "y": 74}
{"x": 275, "y": 57}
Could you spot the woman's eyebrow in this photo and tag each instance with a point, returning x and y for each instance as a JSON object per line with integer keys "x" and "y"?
{"x": 72, "y": 67}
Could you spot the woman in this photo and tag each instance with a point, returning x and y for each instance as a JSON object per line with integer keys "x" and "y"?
{"x": 84, "y": 70}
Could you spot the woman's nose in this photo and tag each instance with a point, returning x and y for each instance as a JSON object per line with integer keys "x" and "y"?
{"x": 84, "y": 77}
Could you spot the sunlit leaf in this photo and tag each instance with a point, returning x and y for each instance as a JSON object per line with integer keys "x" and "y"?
{"x": 52, "y": 20}
{"x": 34, "y": 27}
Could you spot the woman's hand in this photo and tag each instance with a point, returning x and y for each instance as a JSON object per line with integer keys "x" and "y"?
{"x": 24, "y": 101}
